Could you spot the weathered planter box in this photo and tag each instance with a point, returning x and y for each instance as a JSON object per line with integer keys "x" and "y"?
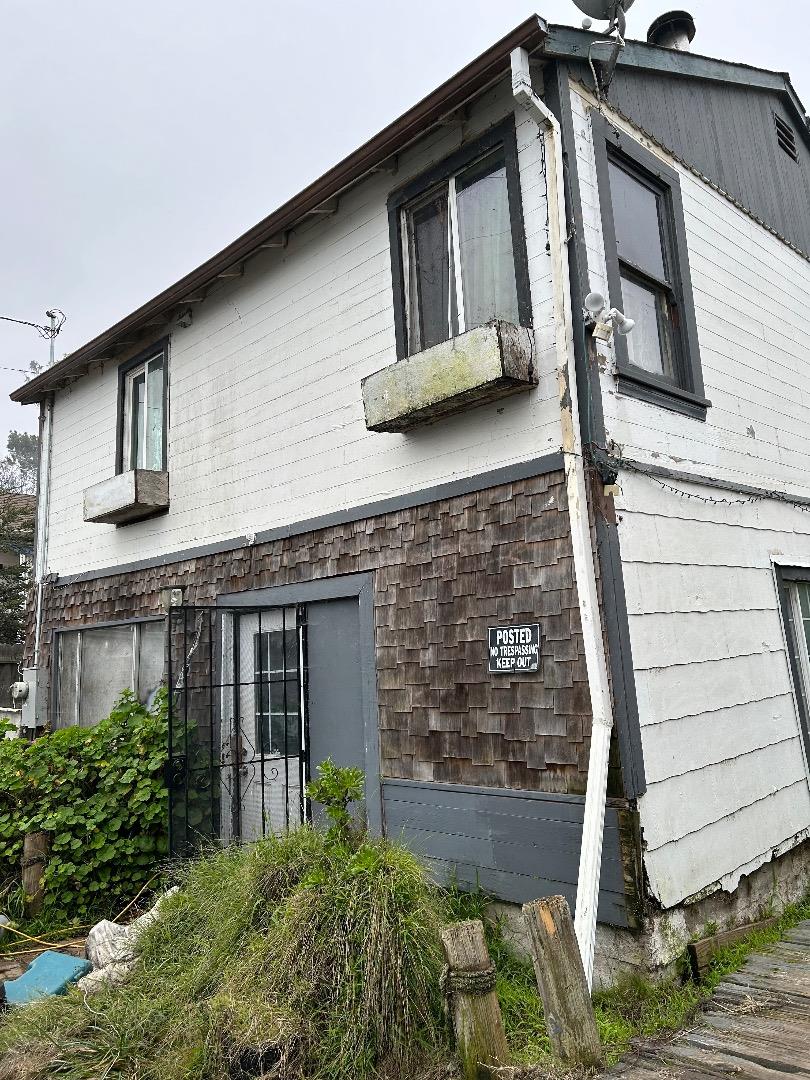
{"x": 129, "y": 496}
{"x": 482, "y": 365}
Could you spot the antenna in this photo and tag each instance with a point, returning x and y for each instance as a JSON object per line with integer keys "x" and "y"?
{"x": 612, "y": 11}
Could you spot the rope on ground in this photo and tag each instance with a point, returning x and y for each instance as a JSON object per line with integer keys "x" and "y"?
{"x": 467, "y": 982}
{"x": 41, "y": 941}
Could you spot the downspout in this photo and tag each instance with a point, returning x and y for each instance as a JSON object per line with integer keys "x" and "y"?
{"x": 43, "y": 514}
{"x": 590, "y": 862}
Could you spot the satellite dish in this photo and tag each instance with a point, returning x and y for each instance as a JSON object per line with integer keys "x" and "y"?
{"x": 605, "y": 10}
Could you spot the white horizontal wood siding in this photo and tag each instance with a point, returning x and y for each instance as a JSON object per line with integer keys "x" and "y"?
{"x": 750, "y": 293}
{"x": 267, "y": 424}
{"x": 726, "y": 771}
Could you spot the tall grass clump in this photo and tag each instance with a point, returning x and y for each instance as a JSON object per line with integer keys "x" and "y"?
{"x": 305, "y": 956}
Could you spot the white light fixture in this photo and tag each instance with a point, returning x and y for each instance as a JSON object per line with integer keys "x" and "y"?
{"x": 605, "y": 322}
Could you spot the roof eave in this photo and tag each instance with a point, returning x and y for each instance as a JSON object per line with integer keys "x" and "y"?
{"x": 471, "y": 80}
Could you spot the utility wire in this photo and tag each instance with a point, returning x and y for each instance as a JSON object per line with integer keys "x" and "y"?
{"x": 49, "y": 333}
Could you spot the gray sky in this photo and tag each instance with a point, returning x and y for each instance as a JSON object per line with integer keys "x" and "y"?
{"x": 138, "y": 139}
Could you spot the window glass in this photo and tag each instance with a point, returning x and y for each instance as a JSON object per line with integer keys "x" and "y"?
{"x": 104, "y": 662}
{"x": 485, "y": 243}
{"x": 143, "y": 416}
{"x": 138, "y": 391}
{"x": 153, "y": 451}
{"x": 647, "y": 346}
{"x": 106, "y": 670}
{"x": 67, "y": 689}
{"x": 458, "y": 254}
{"x": 277, "y": 689}
{"x": 430, "y": 272}
{"x": 151, "y": 660}
{"x": 636, "y": 218}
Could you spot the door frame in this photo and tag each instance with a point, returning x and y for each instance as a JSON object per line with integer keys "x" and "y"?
{"x": 339, "y": 587}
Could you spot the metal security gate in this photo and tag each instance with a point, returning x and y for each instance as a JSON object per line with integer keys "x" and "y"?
{"x": 237, "y": 722}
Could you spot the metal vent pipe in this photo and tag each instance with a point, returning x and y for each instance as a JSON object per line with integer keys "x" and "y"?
{"x": 675, "y": 30}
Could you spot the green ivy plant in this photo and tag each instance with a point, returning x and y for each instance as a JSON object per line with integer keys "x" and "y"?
{"x": 334, "y": 788}
{"x": 100, "y": 794}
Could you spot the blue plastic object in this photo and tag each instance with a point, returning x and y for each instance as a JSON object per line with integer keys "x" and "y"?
{"x": 50, "y": 973}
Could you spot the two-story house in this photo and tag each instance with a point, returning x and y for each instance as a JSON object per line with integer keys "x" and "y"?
{"x": 389, "y": 480}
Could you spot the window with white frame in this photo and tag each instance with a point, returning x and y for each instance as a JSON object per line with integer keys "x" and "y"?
{"x": 143, "y": 420}
{"x": 277, "y": 689}
{"x": 94, "y": 666}
{"x": 460, "y": 257}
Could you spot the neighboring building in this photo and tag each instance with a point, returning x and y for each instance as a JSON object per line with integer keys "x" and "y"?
{"x": 335, "y": 532}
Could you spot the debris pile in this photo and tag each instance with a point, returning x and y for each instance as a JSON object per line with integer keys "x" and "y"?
{"x": 111, "y": 948}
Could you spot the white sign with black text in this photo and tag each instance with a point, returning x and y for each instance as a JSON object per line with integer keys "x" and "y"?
{"x": 514, "y": 648}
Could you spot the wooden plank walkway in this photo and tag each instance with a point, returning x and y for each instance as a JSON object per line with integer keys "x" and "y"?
{"x": 757, "y": 1025}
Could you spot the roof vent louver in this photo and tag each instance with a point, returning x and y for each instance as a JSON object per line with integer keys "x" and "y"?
{"x": 786, "y": 137}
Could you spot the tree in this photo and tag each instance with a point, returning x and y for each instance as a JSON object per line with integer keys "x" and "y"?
{"x": 17, "y": 515}
{"x": 18, "y": 469}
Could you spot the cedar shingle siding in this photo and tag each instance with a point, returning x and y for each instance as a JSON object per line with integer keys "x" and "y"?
{"x": 445, "y": 572}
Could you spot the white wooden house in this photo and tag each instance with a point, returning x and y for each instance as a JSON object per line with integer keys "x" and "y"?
{"x": 381, "y": 424}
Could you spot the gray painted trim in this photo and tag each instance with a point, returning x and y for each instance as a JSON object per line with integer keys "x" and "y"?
{"x": 300, "y": 592}
{"x": 515, "y": 845}
{"x": 333, "y": 588}
{"x": 592, "y": 423}
{"x": 644, "y": 468}
{"x": 522, "y": 470}
{"x": 506, "y": 793}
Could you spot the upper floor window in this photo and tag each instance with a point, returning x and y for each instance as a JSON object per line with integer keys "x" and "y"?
{"x": 142, "y": 412}
{"x": 648, "y": 273}
{"x": 458, "y": 248}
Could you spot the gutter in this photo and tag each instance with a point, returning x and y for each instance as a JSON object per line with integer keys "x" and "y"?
{"x": 590, "y": 863}
{"x": 411, "y": 126}
{"x": 43, "y": 513}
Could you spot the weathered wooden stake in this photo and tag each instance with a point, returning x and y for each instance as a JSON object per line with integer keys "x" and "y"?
{"x": 561, "y": 980}
{"x": 35, "y": 855}
{"x": 474, "y": 1004}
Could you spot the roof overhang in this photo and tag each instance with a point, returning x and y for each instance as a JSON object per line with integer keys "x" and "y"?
{"x": 158, "y": 312}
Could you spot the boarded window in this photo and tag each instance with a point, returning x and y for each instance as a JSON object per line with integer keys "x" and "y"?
{"x": 94, "y": 666}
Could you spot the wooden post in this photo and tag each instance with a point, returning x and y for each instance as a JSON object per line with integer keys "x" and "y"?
{"x": 474, "y": 1004}
{"x": 561, "y": 980}
{"x": 35, "y": 856}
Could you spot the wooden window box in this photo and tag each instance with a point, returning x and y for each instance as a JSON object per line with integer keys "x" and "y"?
{"x": 128, "y": 496}
{"x": 482, "y": 365}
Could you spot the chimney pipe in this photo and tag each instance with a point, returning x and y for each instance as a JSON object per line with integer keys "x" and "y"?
{"x": 675, "y": 30}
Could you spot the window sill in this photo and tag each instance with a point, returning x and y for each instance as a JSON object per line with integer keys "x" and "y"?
{"x": 634, "y": 382}
{"x": 482, "y": 365}
{"x": 127, "y": 497}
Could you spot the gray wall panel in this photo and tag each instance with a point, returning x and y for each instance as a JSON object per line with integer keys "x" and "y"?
{"x": 515, "y": 845}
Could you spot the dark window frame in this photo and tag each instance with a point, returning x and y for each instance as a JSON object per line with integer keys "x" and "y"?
{"x": 503, "y": 136}
{"x": 785, "y": 576}
{"x": 686, "y": 396}
{"x": 159, "y": 347}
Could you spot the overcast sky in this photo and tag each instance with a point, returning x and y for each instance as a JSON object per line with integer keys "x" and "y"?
{"x": 138, "y": 139}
